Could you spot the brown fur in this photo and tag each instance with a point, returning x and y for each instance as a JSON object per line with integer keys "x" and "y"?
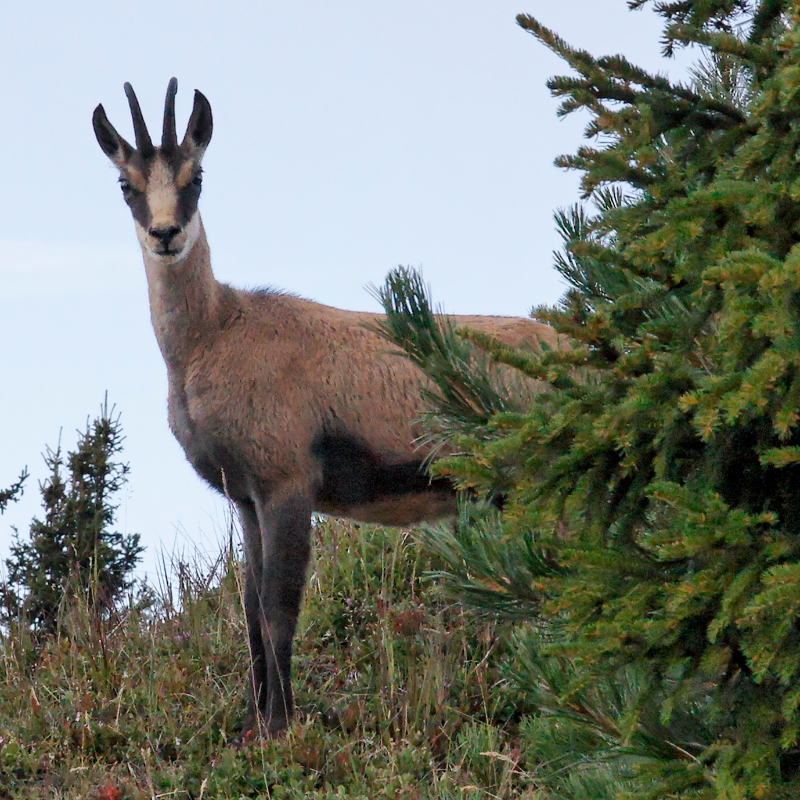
{"x": 287, "y": 405}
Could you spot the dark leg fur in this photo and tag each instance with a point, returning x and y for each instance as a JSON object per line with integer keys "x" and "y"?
{"x": 257, "y": 690}
{"x": 277, "y": 545}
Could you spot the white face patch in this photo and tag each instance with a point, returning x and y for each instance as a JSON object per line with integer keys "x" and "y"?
{"x": 192, "y": 231}
{"x": 162, "y": 196}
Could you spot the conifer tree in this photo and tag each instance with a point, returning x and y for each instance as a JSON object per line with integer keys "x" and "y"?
{"x": 14, "y": 492}
{"x": 73, "y": 552}
{"x": 651, "y": 525}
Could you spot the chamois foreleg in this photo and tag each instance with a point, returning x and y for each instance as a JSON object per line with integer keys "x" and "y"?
{"x": 257, "y": 690}
{"x": 285, "y": 521}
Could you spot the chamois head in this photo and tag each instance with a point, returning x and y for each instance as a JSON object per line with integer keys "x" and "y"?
{"x": 161, "y": 185}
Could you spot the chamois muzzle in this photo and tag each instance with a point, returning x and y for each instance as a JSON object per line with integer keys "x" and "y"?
{"x": 165, "y": 235}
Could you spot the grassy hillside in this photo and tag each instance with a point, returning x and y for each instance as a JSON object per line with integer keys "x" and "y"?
{"x": 400, "y": 694}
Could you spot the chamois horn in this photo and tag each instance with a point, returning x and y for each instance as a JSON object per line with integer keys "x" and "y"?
{"x": 169, "y": 135}
{"x": 143, "y": 142}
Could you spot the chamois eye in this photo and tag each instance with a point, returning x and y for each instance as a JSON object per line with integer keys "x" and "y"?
{"x": 125, "y": 185}
{"x": 197, "y": 180}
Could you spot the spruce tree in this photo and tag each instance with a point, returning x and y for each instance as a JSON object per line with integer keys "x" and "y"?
{"x": 73, "y": 552}
{"x": 14, "y": 492}
{"x": 651, "y": 524}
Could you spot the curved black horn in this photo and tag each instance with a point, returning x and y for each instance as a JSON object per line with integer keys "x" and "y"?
{"x": 143, "y": 142}
{"x": 169, "y": 135}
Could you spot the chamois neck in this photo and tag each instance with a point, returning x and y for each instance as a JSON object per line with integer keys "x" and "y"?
{"x": 184, "y": 301}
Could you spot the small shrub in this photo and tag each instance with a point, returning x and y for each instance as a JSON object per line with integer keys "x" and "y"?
{"x": 73, "y": 553}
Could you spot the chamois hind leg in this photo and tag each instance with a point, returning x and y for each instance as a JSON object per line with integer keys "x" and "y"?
{"x": 257, "y": 688}
{"x": 285, "y": 540}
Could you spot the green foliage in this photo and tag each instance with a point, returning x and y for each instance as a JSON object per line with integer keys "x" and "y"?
{"x": 400, "y": 693}
{"x": 13, "y": 493}
{"x": 658, "y": 477}
{"x": 471, "y": 389}
{"x": 73, "y": 552}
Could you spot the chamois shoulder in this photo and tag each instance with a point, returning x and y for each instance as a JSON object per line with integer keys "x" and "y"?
{"x": 286, "y": 308}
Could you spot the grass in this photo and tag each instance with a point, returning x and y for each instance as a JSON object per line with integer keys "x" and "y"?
{"x": 400, "y": 694}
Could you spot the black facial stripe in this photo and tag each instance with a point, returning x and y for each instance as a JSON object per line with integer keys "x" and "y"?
{"x": 137, "y": 202}
{"x": 187, "y": 204}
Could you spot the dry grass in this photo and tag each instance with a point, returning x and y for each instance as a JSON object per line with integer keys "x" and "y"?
{"x": 400, "y": 694}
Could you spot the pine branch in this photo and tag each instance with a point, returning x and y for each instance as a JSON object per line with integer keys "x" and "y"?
{"x": 467, "y": 394}
{"x": 12, "y": 494}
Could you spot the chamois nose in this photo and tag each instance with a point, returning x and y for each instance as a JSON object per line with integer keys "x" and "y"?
{"x": 166, "y": 234}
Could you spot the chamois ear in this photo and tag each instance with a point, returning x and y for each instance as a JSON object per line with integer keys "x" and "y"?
{"x": 112, "y": 144}
{"x": 201, "y": 124}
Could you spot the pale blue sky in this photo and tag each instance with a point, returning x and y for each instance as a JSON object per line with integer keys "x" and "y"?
{"x": 349, "y": 137}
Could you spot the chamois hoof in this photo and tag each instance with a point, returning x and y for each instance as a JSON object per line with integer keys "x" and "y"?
{"x": 254, "y": 729}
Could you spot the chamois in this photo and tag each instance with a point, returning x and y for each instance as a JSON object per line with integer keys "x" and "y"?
{"x": 286, "y": 405}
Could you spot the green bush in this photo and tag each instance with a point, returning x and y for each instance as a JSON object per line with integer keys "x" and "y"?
{"x": 73, "y": 553}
